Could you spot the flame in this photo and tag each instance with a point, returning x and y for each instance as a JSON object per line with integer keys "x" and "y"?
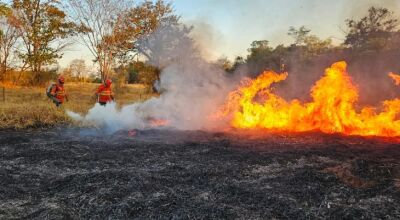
{"x": 332, "y": 109}
{"x": 158, "y": 122}
{"x": 395, "y": 77}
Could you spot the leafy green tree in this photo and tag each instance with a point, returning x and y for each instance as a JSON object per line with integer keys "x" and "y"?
{"x": 372, "y": 32}
{"x": 260, "y": 52}
{"x": 133, "y": 73}
{"x": 264, "y": 57}
{"x": 44, "y": 28}
{"x": 138, "y": 72}
{"x": 310, "y": 45}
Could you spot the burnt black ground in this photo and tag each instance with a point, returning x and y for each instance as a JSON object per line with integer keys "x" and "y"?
{"x": 167, "y": 174}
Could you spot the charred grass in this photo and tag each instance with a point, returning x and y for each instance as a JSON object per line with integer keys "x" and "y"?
{"x": 81, "y": 174}
{"x": 30, "y": 107}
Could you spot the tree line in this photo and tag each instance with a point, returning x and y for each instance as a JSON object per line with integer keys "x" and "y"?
{"x": 34, "y": 34}
{"x": 374, "y": 35}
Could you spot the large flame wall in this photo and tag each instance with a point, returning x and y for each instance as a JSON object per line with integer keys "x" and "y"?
{"x": 332, "y": 109}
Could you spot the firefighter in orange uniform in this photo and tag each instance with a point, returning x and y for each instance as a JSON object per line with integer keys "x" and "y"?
{"x": 104, "y": 93}
{"x": 56, "y": 92}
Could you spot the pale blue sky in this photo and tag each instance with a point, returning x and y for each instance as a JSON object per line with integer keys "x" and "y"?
{"x": 228, "y": 27}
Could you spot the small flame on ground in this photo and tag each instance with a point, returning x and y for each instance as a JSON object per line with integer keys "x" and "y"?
{"x": 332, "y": 109}
{"x": 158, "y": 122}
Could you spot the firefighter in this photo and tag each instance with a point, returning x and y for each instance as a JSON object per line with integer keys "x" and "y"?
{"x": 104, "y": 93}
{"x": 56, "y": 92}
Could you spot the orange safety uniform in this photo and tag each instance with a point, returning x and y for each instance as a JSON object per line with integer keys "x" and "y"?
{"x": 58, "y": 92}
{"x": 104, "y": 93}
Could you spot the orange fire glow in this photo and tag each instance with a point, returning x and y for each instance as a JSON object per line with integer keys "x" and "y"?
{"x": 395, "y": 77}
{"x": 158, "y": 122}
{"x": 332, "y": 109}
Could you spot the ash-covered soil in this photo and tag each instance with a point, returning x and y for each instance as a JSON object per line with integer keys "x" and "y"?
{"x": 166, "y": 174}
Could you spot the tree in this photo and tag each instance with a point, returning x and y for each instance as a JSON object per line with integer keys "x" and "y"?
{"x": 300, "y": 35}
{"x": 259, "y": 47}
{"x": 261, "y": 57}
{"x": 237, "y": 63}
{"x": 8, "y": 39}
{"x": 132, "y": 72}
{"x": 98, "y": 19}
{"x": 310, "y": 44}
{"x": 373, "y": 31}
{"x": 43, "y": 27}
{"x": 224, "y": 63}
{"x": 78, "y": 68}
{"x": 138, "y": 72}
{"x": 148, "y": 29}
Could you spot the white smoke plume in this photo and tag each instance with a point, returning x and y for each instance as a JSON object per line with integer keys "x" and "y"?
{"x": 192, "y": 89}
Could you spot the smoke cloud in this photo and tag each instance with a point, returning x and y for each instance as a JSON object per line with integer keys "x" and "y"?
{"x": 192, "y": 90}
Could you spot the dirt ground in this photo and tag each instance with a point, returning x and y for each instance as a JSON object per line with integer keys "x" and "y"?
{"x": 168, "y": 174}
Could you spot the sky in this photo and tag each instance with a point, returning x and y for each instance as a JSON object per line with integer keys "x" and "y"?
{"x": 226, "y": 28}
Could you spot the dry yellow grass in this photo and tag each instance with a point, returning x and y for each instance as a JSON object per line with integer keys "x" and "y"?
{"x": 30, "y": 107}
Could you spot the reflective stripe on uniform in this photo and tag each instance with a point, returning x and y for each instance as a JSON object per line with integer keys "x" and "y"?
{"x": 105, "y": 93}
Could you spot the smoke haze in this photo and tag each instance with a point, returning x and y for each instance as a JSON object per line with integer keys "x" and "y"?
{"x": 192, "y": 90}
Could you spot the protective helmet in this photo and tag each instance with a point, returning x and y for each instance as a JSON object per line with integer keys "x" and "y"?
{"x": 61, "y": 79}
{"x": 108, "y": 82}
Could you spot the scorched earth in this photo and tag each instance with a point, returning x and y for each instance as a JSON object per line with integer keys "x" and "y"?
{"x": 169, "y": 174}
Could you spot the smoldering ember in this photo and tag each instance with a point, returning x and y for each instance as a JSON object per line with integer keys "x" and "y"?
{"x": 166, "y": 115}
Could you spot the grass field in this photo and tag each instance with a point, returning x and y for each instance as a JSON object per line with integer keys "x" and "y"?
{"x": 31, "y": 108}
